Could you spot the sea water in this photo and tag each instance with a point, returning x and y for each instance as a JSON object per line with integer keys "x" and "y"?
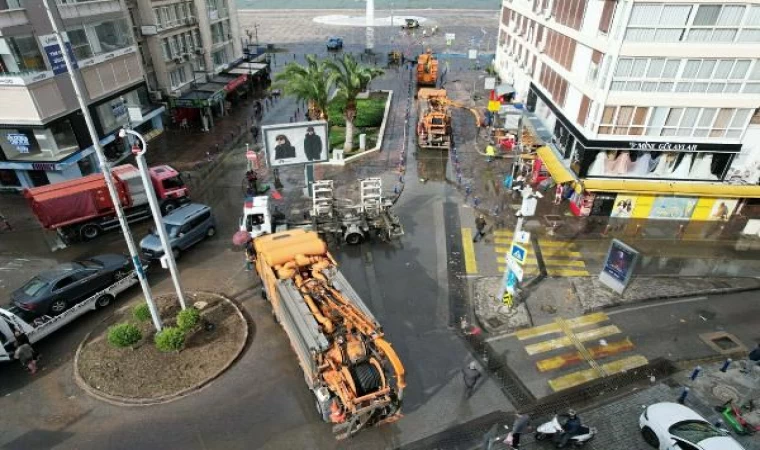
{"x": 360, "y": 4}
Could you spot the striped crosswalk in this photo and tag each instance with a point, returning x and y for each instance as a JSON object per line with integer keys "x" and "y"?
{"x": 561, "y": 258}
{"x": 567, "y": 344}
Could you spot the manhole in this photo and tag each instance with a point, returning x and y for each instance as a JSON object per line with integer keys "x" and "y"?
{"x": 723, "y": 343}
{"x": 494, "y": 322}
{"x": 726, "y": 393}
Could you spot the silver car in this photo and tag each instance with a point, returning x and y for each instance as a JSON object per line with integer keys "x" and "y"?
{"x": 185, "y": 227}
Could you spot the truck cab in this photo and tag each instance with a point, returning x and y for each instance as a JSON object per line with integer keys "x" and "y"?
{"x": 169, "y": 186}
{"x": 257, "y": 217}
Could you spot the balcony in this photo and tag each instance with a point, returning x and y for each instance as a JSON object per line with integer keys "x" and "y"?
{"x": 13, "y": 17}
{"x": 88, "y": 8}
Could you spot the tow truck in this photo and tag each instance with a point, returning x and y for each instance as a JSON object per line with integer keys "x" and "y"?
{"x": 38, "y": 327}
{"x": 342, "y": 218}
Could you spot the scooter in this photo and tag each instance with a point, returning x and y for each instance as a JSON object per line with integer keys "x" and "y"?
{"x": 553, "y": 429}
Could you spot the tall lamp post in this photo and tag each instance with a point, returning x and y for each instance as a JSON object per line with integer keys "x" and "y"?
{"x": 105, "y": 169}
{"x": 155, "y": 210}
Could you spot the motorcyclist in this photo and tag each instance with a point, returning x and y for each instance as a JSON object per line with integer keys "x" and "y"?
{"x": 572, "y": 427}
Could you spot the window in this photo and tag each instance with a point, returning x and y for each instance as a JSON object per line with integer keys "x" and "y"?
{"x": 219, "y": 57}
{"x": 726, "y": 123}
{"x": 178, "y": 77}
{"x": 197, "y": 38}
{"x": 656, "y": 22}
{"x": 79, "y": 43}
{"x": 64, "y": 136}
{"x": 24, "y": 55}
{"x": 172, "y": 15}
{"x": 113, "y": 35}
{"x": 157, "y": 18}
{"x": 166, "y": 47}
{"x": 64, "y": 283}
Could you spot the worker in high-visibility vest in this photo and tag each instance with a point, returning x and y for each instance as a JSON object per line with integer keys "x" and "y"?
{"x": 490, "y": 152}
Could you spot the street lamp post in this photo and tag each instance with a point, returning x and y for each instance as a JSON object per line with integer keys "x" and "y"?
{"x": 156, "y": 211}
{"x": 105, "y": 169}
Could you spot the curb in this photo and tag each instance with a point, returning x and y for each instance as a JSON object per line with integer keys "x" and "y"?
{"x": 125, "y": 401}
{"x": 718, "y": 291}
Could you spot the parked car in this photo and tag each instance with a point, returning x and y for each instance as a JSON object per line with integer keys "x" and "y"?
{"x": 53, "y": 291}
{"x": 185, "y": 227}
{"x": 410, "y": 24}
{"x": 334, "y": 43}
{"x": 671, "y": 426}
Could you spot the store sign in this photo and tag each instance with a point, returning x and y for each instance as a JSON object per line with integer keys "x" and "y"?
{"x": 666, "y": 146}
{"x": 54, "y": 54}
{"x": 119, "y": 109}
{"x": 20, "y": 141}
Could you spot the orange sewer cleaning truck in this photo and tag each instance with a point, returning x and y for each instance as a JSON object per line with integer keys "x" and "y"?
{"x": 427, "y": 69}
{"x": 355, "y": 375}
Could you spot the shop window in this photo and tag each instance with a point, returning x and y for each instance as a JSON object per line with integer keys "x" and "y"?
{"x": 25, "y": 55}
{"x": 8, "y": 178}
{"x": 64, "y": 136}
{"x": 219, "y": 57}
{"x": 38, "y": 177}
{"x": 19, "y": 143}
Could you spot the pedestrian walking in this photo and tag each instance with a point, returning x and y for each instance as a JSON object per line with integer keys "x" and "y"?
{"x": 521, "y": 425}
{"x": 25, "y": 354}
{"x": 471, "y": 375}
{"x": 490, "y": 152}
{"x": 480, "y": 226}
{"x": 558, "y": 192}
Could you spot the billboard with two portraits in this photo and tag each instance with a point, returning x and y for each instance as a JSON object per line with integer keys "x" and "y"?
{"x": 295, "y": 143}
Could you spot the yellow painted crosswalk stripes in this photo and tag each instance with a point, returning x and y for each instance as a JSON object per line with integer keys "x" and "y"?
{"x": 553, "y": 262}
{"x": 549, "y": 328}
{"x": 572, "y": 358}
{"x": 579, "y": 346}
{"x": 507, "y": 233}
{"x": 584, "y": 376}
{"x": 583, "y": 336}
{"x": 470, "y": 263}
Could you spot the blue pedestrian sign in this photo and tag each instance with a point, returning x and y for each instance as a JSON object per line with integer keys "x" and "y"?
{"x": 518, "y": 253}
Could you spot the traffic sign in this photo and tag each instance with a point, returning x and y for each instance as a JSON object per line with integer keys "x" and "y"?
{"x": 522, "y": 237}
{"x": 518, "y": 253}
{"x": 515, "y": 268}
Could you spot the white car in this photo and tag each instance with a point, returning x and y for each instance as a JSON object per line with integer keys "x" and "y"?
{"x": 671, "y": 426}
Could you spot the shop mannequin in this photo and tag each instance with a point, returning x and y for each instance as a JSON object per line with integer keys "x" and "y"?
{"x": 622, "y": 164}
{"x": 609, "y": 163}
{"x": 684, "y": 167}
{"x": 597, "y": 167}
{"x": 664, "y": 165}
{"x": 641, "y": 166}
{"x": 701, "y": 170}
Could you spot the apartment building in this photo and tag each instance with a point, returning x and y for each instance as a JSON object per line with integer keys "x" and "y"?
{"x": 43, "y": 136}
{"x": 187, "y": 46}
{"x": 650, "y": 109}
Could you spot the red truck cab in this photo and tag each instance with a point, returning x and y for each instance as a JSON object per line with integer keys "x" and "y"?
{"x": 169, "y": 186}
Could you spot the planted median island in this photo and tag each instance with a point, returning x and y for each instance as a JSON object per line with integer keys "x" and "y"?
{"x": 125, "y": 360}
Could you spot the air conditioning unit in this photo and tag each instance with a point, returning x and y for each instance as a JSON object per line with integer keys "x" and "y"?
{"x": 512, "y": 25}
{"x": 542, "y": 46}
{"x": 177, "y": 59}
{"x": 155, "y": 96}
{"x": 548, "y": 14}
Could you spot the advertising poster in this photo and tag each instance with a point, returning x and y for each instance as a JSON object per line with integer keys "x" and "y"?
{"x": 673, "y": 208}
{"x": 722, "y": 209}
{"x": 54, "y": 55}
{"x": 618, "y": 266}
{"x": 295, "y": 143}
{"x": 624, "y": 205}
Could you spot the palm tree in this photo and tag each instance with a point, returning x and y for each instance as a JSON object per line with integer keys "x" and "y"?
{"x": 312, "y": 83}
{"x": 351, "y": 79}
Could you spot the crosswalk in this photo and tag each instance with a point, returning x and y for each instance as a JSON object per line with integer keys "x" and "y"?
{"x": 561, "y": 258}
{"x": 567, "y": 345}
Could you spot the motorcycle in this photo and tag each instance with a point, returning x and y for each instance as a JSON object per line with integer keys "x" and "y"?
{"x": 554, "y": 429}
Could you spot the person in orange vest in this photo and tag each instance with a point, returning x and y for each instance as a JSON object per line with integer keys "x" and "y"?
{"x": 336, "y": 413}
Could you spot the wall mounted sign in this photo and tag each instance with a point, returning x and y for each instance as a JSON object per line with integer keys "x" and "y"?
{"x": 54, "y": 54}
{"x": 19, "y": 141}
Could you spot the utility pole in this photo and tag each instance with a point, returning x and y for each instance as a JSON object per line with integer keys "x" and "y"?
{"x": 106, "y": 170}
{"x": 156, "y": 211}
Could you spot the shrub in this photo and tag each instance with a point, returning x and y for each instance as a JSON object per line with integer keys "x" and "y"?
{"x": 170, "y": 339}
{"x": 188, "y": 318}
{"x": 123, "y": 335}
{"x": 369, "y": 112}
{"x": 141, "y": 312}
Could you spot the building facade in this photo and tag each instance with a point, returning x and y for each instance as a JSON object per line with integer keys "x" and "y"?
{"x": 650, "y": 109}
{"x": 43, "y": 136}
{"x": 187, "y": 47}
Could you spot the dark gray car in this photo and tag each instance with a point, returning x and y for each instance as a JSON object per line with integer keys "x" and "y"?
{"x": 53, "y": 291}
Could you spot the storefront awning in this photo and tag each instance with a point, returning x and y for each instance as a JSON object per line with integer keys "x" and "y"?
{"x": 676, "y": 188}
{"x": 558, "y": 171}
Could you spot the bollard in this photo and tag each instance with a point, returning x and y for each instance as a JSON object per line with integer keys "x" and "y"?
{"x": 606, "y": 230}
{"x": 638, "y": 230}
{"x": 680, "y": 231}
{"x": 684, "y": 394}
{"x": 695, "y": 373}
{"x": 725, "y": 365}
